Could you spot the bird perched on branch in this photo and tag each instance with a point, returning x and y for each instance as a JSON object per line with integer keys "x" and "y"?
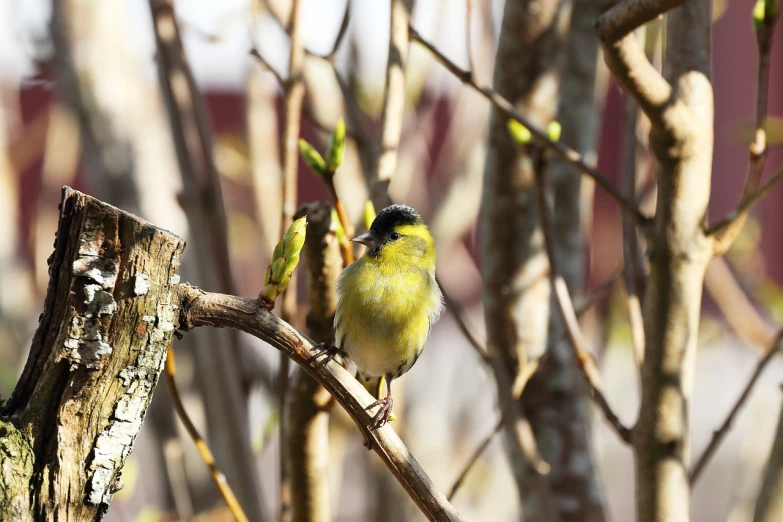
{"x": 387, "y": 302}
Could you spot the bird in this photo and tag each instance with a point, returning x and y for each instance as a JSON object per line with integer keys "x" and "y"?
{"x": 387, "y": 302}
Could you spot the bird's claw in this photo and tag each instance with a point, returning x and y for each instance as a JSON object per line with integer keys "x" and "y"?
{"x": 328, "y": 350}
{"x": 382, "y": 415}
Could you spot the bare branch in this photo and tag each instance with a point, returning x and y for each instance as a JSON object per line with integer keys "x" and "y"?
{"x": 393, "y": 104}
{"x": 201, "y": 445}
{"x": 625, "y": 16}
{"x": 769, "y": 504}
{"x": 219, "y": 310}
{"x": 632, "y": 262}
{"x": 720, "y": 433}
{"x": 566, "y": 306}
{"x": 474, "y": 458}
{"x": 507, "y": 109}
{"x": 721, "y": 227}
{"x": 729, "y": 230}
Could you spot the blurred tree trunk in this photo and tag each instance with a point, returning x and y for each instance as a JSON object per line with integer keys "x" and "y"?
{"x": 555, "y": 398}
{"x": 517, "y": 292}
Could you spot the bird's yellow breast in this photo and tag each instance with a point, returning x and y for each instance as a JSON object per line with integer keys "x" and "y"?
{"x": 384, "y": 313}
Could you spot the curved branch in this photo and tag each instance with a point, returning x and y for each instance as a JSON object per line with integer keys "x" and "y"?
{"x": 224, "y": 311}
{"x": 506, "y": 108}
{"x": 626, "y": 16}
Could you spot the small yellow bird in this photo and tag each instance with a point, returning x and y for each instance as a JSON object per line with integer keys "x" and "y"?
{"x": 387, "y": 302}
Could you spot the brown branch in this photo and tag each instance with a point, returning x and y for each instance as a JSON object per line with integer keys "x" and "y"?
{"x": 720, "y": 433}
{"x": 475, "y": 456}
{"x": 769, "y": 504}
{"x": 626, "y": 16}
{"x": 393, "y": 104}
{"x": 219, "y": 310}
{"x": 308, "y": 440}
{"x": 507, "y": 109}
{"x": 566, "y": 306}
{"x": 201, "y": 445}
{"x": 719, "y": 229}
{"x": 294, "y": 98}
{"x": 202, "y": 201}
{"x": 632, "y": 262}
{"x": 731, "y": 227}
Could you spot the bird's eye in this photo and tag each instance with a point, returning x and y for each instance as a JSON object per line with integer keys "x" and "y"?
{"x": 394, "y": 236}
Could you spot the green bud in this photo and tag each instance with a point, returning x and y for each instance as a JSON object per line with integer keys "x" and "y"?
{"x": 758, "y": 14}
{"x": 290, "y": 265}
{"x": 268, "y": 274}
{"x": 282, "y": 285}
{"x": 294, "y": 237}
{"x": 339, "y": 231}
{"x": 278, "y": 269}
{"x": 772, "y": 9}
{"x": 278, "y": 252}
{"x": 312, "y": 157}
{"x": 369, "y": 214}
{"x": 553, "y": 130}
{"x": 335, "y": 146}
{"x": 519, "y": 132}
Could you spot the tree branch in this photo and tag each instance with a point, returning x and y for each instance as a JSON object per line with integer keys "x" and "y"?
{"x": 566, "y": 306}
{"x": 393, "y": 104}
{"x": 622, "y": 19}
{"x": 720, "y": 433}
{"x": 507, "y": 109}
{"x": 219, "y": 310}
{"x": 731, "y": 227}
{"x": 769, "y": 504}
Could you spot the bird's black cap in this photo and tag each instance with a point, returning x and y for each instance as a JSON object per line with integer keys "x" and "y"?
{"x": 394, "y": 216}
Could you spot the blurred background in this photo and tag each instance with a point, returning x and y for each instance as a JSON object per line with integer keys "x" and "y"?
{"x": 450, "y": 404}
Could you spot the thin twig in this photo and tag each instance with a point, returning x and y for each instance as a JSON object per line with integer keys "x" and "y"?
{"x": 200, "y": 308}
{"x": 201, "y": 445}
{"x": 393, "y": 104}
{"x": 506, "y": 108}
{"x": 631, "y": 257}
{"x": 757, "y": 150}
{"x": 566, "y": 306}
{"x": 719, "y": 228}
{"x": 294, "y": 98}
{"x": 476, "y": 454}
{"x": 719, "y": 434}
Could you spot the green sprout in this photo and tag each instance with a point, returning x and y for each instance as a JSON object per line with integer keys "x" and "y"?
{"x": 519, "y": 132}
{"x": 284, "y": 260}
{"x": 313, "y": 158}
{"x": 335, "y": 147}
{"x": 553, "y": 130}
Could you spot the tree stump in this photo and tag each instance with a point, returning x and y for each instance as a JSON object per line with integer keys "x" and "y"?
{"x": 109, "y": 316}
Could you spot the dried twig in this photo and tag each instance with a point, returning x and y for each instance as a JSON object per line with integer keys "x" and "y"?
{"x": 719, "y": 434}
{"x": 201, "y": 445}
{"x": 506, "y": 108}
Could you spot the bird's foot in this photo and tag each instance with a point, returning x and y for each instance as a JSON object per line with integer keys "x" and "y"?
{"x": 327, "y": 350}
{"x": 383, "y": 414}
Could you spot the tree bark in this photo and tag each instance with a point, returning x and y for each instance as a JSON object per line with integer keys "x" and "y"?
{"x": 680, "y": 108}
{"x": 308, "y": 435}
{"x": 514, "y": 264}
{"x": 109, "y": 316}
{"x": 555, "y": 397}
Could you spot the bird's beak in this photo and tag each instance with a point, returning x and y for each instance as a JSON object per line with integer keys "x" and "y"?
{"x": 367, "y": 239}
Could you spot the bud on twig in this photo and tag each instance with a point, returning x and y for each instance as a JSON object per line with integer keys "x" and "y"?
{"x": 313, "y": 158}
{"x": 335, "y": 147}
{"x": 284, "y": 260}
{"x": 519, "y": 132}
